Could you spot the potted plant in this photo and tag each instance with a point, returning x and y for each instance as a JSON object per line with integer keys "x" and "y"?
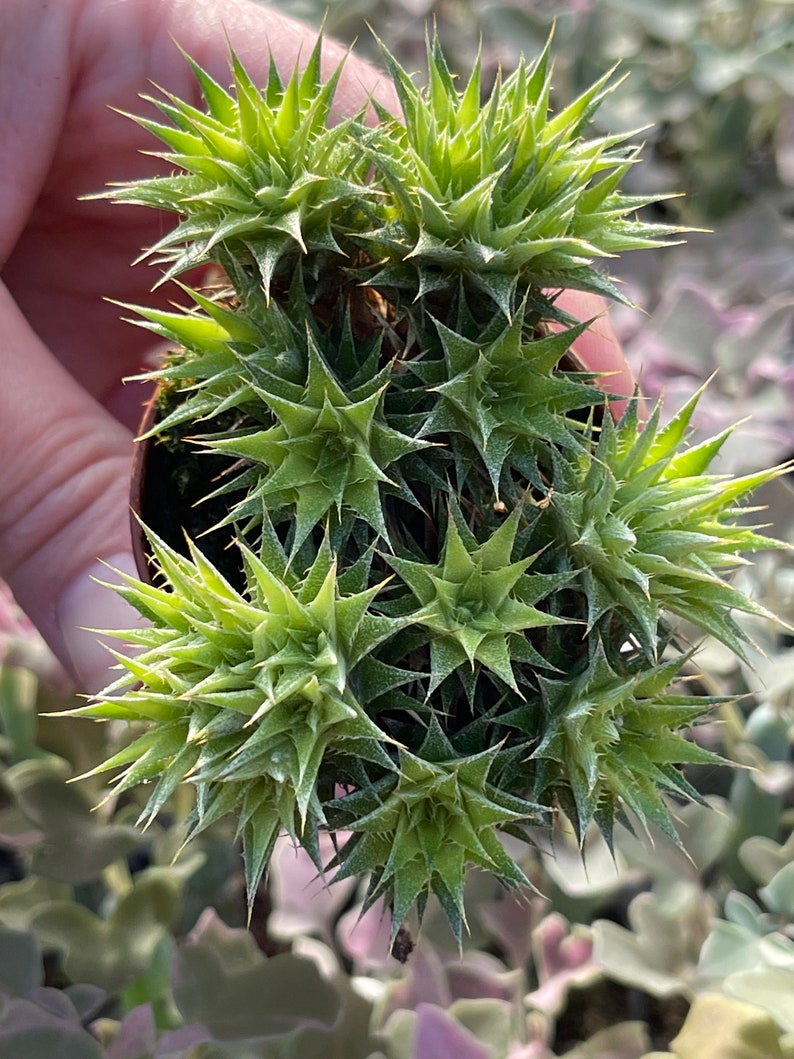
{"x": 412, "y": 582}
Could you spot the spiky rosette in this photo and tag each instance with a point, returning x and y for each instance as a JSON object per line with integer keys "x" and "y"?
{"x": 417, "y": 831}
{"x": 505, "y": 394}
{"x": 651, "y": 528}
{"x": 263, "y": 173}
{"x": 326, "y": 450}
{"x": 612, "y": 741}
{"x": 475, "y": 600}
{"x": 455, "y": 584}
{"x": 503, "y": 192}
{"x": 249, "y": 697}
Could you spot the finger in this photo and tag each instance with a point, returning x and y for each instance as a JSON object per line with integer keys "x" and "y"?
{"x": 255, "y": 31}
{"x": 599, "y": 349}
{"x": 64, "y": 474}
{"x": 83, "y": 61}
{"x": 206, "y": 30}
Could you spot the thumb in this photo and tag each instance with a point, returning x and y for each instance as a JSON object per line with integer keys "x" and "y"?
{"x": 64, "y": 479}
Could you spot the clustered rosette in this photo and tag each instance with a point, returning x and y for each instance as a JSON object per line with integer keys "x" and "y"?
{"x": 454, "y": 603}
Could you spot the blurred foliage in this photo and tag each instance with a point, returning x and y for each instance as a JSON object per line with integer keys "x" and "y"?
{"x": 110, "y": 947}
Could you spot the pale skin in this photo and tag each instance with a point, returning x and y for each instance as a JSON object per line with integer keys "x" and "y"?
{"x": 66, "y": 422}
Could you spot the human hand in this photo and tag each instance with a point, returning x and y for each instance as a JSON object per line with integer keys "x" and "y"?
{"x": 67, "y": 422}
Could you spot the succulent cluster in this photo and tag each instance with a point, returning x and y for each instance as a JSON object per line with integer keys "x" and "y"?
{"x": 446, "y": 596}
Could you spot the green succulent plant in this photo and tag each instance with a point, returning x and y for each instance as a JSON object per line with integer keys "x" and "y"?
{"x": 456, "y": 583}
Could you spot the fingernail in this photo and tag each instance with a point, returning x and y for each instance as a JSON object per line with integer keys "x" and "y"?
{"x": 88, "y": 605}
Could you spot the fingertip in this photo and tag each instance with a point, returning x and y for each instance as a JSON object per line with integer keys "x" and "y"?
{"x": 599, "y": 348}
